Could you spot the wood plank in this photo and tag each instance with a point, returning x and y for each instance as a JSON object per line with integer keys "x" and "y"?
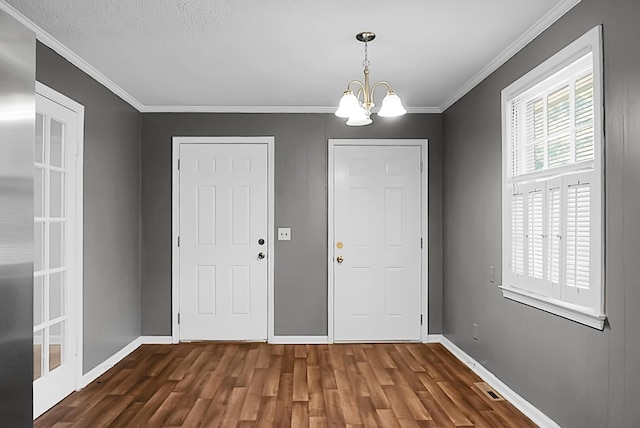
{"x": 300, "y": 388}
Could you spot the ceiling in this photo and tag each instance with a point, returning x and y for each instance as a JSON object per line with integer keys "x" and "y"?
{"x": 285, "y": 55}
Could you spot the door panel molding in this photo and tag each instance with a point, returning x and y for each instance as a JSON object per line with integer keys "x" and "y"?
{"x": 332, "y": 144}
{"x": 269, "y": 141}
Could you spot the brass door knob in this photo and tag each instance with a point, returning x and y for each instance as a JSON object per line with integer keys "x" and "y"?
{"x": 339, "y": 259}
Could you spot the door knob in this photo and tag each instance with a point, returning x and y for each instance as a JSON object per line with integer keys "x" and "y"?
{"x": 261, "y": 256}
{"x": 339, "y": 259}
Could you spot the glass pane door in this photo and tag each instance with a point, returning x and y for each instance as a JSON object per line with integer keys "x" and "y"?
{"x": 50, "y": 267}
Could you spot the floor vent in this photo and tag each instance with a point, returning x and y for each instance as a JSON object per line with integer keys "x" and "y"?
{"x": 488, "y": 391}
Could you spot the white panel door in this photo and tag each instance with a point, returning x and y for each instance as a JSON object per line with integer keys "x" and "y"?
{"x": 54, "y": 319}
{"x": 223, "y": 241}
{"x": 377, "y": 243}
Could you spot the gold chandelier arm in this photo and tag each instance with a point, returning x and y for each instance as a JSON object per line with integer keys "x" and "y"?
{"x": 382, "y": 82}
{"x": 356, "y": 82}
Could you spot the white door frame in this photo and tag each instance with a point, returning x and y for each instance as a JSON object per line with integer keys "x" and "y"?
{"x": 423, "y": 144}
{"x": 175, "y": 223}
{"x": 76, "y": 272}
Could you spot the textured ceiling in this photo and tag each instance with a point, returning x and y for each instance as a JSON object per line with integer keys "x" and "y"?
{"x": 283, "y": 53}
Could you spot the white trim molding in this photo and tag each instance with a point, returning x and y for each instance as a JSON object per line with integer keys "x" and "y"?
{"x": 50, "y": 41}
{"x": 107, "y": 364}
{"x": 510, "y": 395}
{"x": 534, "y": 31}
{"x": 573, "y": 312}
{"x": 261, "y": 109}
{"x": 299, "y": 340}
{"x": 156, "y": 340}
{"x": 545, "y": 22}
{"x": 434, "y": 338}
{"x": 269, "y": 141}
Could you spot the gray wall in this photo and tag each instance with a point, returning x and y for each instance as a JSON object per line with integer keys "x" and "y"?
{"x": 17, "y": 79}
{"x": 579, "y": 376}
{"x": 301, "y": 203}
{"x": 111, "y": 208}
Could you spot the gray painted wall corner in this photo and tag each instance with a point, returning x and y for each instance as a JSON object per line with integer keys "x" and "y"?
{"x": 112, "y": 208}
{"x": 579, "y": 376}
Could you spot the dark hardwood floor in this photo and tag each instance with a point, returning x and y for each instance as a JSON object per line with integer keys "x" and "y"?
{"x": 256, "y": 384}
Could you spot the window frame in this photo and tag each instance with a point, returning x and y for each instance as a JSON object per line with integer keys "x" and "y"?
{"x": 594, "y": 314}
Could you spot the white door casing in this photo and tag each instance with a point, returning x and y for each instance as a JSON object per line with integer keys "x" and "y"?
{"x": 377, "y": 228}
{"x": 223, "y": 279}
{"x": 58, "y": 248}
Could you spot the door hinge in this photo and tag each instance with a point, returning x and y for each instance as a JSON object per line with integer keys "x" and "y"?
{"x": 179, "y": 318}
{"x": 420, "y": 319}
{"x": 421, "y": 166}
{"x": 421, "y": 243}
{"x": 178, "y": 164}
{"x": 178, "y": 241}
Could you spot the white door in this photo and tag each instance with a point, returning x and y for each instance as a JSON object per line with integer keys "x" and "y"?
{"x": 223, "y": 241}
{"x": 54, "y": 311}
{"x": 377, "y": 243}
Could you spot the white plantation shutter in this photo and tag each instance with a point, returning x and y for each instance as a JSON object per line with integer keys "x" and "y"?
{"x": 517, "y": 233}
{"x": 552, "y": 199}
{"x": 578, "y": 234}
{"x": 535, "y": 131}
{"x": 584, "y": 145}
{"x": 554, "y": 231}
{"x": 535, "y": 232}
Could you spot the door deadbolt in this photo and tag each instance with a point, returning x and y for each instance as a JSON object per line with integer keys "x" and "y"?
{"x": 260, "y": 241}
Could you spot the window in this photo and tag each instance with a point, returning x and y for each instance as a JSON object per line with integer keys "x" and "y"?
{"x": 552, "y": 224}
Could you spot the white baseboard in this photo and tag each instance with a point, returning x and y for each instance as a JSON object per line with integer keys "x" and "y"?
{"x": 100, "y": 369}
{"x": 434, "y": 338}
{"x": 299, "y": 340}
{"x": 156, "y": 340}
{"x": 514, "y": 398}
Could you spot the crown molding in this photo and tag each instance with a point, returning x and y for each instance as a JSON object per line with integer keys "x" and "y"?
{"x": 534, "y": 31}
{"x": 545, "y": 22}
{"x": 262, "y": 109}
{"x": 70, "y": 56}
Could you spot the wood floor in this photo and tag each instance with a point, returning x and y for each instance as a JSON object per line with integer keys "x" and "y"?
{"x": 257, "y": 384}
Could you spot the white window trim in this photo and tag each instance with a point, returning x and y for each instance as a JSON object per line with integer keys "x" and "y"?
{"x": 590, "y": 42}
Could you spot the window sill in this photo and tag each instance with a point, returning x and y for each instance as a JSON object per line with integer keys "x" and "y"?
{"x": 575, "y": 313}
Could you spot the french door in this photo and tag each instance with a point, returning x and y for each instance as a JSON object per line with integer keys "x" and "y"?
{"x": 224, "y": 241}
{"x": 376, "y": 242}
{"x": 55, "y": 277}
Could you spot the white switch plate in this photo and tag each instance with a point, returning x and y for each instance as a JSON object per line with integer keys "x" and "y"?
{"x": 284, "y": 234}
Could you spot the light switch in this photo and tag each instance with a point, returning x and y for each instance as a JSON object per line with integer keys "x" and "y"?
{"x": 284, "y": 234}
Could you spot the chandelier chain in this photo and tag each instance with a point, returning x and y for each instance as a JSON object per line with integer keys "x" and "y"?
{"x": 366, "y": 62}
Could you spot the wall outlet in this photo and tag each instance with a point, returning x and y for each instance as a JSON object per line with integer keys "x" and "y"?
{"x": 284, "y": 234}
{"x": 492, "y": 274}
{"x": 475, "y": 331}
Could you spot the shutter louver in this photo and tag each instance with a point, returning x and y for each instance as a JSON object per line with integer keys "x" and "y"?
{"x": 535, "y": 219}
{"x": 554, "y": 204}
{"x": 578, "y": 235}
{"x": 535, "y": 135}
{"x": 517, "y": 234}
{"x": 514, "y": 133}
{"x": 558, "y": 123}
{"x": 584, "y": 119}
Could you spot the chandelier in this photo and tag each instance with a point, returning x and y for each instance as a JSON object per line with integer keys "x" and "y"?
{"x": 357, "y": 108}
